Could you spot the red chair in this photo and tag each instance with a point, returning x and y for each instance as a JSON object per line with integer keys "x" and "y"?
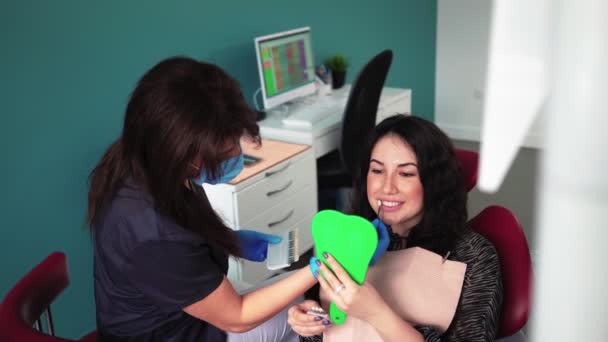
{"x": 469, "y": 160}
{"x": 22, "y": 308}
{"x": 500, "y": 226}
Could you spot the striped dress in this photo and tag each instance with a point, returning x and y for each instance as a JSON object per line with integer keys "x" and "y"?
{"x": 478, "y": 312}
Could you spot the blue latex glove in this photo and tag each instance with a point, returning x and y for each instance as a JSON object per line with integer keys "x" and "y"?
{"x": 383, "y": 240}
{"x": 254, "y": 245}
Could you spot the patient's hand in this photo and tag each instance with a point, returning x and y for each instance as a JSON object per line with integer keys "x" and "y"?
{"x": 324, "y": 297}
{"x": 304, "y": 324}
{"x": 361, "y": 301}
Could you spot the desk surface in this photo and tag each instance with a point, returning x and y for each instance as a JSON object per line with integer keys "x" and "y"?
{"x": 271, "y": 152}
{"x": 272, "y": 127}
{"x": 324, "y": 136}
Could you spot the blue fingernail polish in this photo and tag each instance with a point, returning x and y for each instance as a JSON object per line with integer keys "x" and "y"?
{"x": 326, "y": 322}
{"x": 318, "y": 262}
{"x": 317, "y": 318}
{"x": 325, "y": 255}
{"x": 316, "y": 274}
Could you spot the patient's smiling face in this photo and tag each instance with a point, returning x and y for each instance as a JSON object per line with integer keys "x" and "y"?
{"x": 393, "y": 179}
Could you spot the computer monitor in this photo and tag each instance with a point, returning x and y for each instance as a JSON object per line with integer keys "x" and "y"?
{"x": 285, "y": 65}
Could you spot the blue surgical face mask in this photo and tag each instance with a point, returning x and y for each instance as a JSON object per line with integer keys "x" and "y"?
{"x": 229, "y": 169}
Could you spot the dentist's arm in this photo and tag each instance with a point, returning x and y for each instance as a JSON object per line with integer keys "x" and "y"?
{"x": 225, "y": 309}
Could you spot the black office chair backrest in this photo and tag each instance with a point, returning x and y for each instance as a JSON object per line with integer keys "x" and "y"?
{"x": 362, "y": 106}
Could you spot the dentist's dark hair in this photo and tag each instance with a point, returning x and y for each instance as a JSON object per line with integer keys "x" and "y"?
{"x": 444, "y": 217}
{"x": 180, "y": 110}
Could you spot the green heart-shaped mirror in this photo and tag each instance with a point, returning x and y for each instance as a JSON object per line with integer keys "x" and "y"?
{"x": 351, "y": 239}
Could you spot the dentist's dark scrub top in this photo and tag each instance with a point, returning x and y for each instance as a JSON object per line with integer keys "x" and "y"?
{"x": 147, "y": 269}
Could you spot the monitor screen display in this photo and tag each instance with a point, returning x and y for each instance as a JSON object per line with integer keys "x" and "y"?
{"x": 285, "y": 65}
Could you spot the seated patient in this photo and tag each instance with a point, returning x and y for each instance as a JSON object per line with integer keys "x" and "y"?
{"x": 160, "y": 250}
{"x": 409, "y": 173}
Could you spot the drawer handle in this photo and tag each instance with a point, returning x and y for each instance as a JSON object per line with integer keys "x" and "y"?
{"x": 272, "y": 224}
{"x": 270, "y": 173}
{"x": 274, "y": 192}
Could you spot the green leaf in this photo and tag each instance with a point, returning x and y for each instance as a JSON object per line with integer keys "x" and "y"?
{"x": 338, "y": 63}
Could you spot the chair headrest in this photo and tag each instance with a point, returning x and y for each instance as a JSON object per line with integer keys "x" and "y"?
{"x": 469, "y": 161}
{"x": 500, "y": 226}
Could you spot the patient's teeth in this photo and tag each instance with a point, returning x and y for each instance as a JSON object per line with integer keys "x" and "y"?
{"x": 379, "y": 203}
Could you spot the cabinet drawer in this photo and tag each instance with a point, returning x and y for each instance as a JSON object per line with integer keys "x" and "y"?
{"x": 284, "y": 215}
{"x": 305, "y": 232}
{"x": 279, "y": 183}
{"x": 255, "y": 272}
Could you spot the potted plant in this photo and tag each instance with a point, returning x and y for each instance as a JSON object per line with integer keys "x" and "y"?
{"x": 338, "y": 65}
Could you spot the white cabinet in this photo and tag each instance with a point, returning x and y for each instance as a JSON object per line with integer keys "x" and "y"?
{"x": 272, "y": 196}
{"x": 394, "y": 101}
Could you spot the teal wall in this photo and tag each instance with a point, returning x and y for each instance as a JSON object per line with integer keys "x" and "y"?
{"x": 67, "y": 68}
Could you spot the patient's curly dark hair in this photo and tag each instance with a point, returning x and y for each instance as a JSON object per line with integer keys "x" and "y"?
{"x": 445, "y": 212}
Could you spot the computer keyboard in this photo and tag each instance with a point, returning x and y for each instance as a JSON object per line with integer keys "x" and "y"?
{"x": 307, "y": 115}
